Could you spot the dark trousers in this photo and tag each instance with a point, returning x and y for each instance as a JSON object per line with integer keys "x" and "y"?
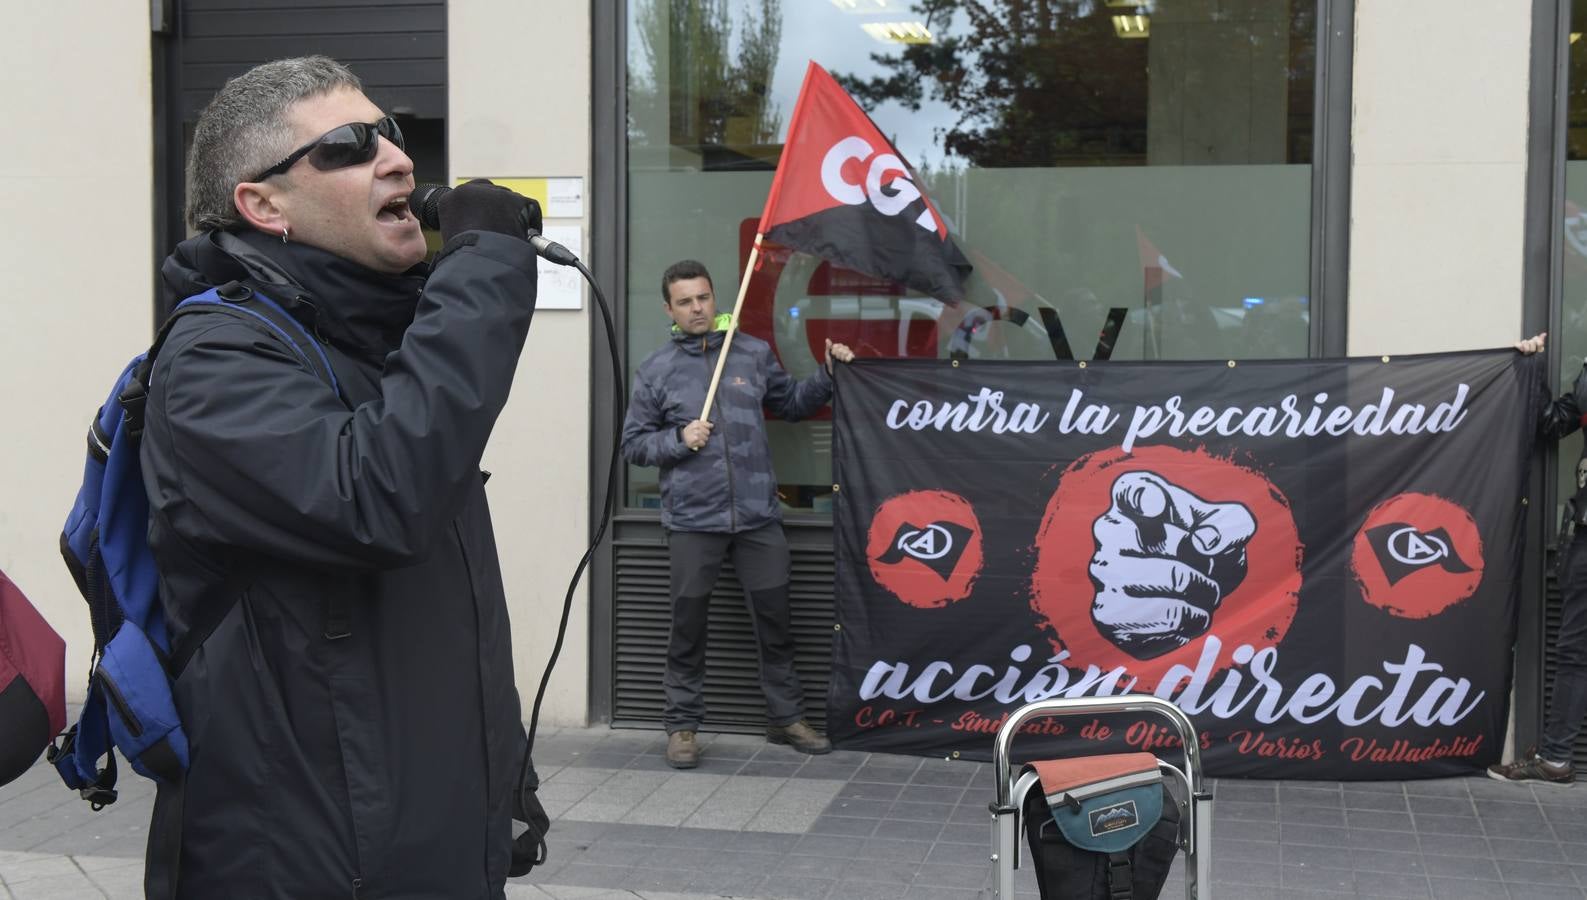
{"x": 760, "y": 558}
{"x": 1565, "y": 713}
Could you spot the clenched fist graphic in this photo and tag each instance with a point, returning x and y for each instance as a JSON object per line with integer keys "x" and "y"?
{"x": 1165, "y": 559}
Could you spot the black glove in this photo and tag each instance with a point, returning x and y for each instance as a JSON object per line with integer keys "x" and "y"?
{"x": 482, "y": 206}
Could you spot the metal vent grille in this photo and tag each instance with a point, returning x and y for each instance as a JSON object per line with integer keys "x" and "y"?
{"x": 732, "y": 686}
{"x": 398, "y": 49}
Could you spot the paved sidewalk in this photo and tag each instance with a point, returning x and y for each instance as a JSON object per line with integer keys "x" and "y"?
{"x": 762, "y": 821}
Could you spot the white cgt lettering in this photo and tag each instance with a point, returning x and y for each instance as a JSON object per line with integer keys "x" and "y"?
{"x": 889, "y": 199}
{"x": 904, "y": 190}
{"x": 832, "y": 170}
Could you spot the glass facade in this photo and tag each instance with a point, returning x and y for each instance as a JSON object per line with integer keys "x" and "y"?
{"x": 1571, "y": 340}
{"x": 1096, "y": 160}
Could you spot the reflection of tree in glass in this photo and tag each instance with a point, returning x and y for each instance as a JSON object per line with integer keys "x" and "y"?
{"x": 1573, "y": 293}
{"x": 1033, "y": 84}
{"x": 714, "y": 94}
{"x": 1038, "y": 84}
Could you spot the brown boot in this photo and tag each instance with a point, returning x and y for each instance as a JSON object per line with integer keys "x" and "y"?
{"x": 683, "y": 752}
{"x": 799, "y": 736}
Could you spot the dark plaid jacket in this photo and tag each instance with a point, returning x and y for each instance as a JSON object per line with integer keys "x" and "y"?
{"x": 728, "y": 486}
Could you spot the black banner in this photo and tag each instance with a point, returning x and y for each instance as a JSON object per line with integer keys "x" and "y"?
{"x": 1317, "y": 560}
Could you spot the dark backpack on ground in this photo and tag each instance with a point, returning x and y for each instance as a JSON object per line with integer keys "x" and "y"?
{"x": 105, "y": 543}
{"x": 1101, "y": 827}
{"x": 32, "y": 682}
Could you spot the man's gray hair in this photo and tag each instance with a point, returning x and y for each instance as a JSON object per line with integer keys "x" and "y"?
{"x": 244, "y": 130}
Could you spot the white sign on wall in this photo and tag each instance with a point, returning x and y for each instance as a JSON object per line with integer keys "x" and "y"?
{"x": 562, "y": 287}
{"x": 564, "y": 199}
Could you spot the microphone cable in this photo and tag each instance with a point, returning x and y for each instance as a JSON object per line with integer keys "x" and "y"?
{"x": 611, "y": 484}
{"x": 528, "y": 778}
{"x": 425, "y": 200}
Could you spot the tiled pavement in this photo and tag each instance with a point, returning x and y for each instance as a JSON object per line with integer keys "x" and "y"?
{"x": 759, "y": 821}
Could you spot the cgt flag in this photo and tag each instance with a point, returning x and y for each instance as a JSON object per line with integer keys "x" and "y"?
{"x": 844, "y": 194}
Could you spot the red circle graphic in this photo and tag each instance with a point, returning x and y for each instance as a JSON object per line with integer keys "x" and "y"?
{"x": 944, "y": 552}
{"x": 1417, "y": 555}
{"x": 1257, "y": 611}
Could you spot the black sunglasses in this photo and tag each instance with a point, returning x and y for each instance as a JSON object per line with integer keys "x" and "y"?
{"x": 352, "y": 144}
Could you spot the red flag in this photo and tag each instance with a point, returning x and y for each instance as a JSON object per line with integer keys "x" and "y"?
{"x": 1154, "y": 265}
{"x": 844, "y": 194}
{"x": 1156, "y": 270}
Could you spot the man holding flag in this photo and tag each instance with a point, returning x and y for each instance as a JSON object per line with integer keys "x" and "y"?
{"x": 719, "y": 496}
{"x": 842, "y": 193}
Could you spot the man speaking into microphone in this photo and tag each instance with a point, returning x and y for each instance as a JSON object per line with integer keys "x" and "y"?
{"x": 318, "y": 514}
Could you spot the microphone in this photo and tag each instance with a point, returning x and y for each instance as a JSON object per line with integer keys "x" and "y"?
{"x": 425, "y": 204}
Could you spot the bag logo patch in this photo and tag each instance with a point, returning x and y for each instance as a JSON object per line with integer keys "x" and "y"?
{"x": 1108, "y": 819}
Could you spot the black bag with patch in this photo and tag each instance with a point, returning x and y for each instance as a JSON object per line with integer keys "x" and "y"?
{"x": 1101, "y": 827}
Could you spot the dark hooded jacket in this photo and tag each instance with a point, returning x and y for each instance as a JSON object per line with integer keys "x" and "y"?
{"x": 354, "y": 727}
{"x": 1560, "y": 418}
{"x": 729, "y": 485}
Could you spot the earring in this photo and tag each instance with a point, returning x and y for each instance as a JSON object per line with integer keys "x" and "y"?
{"x": 284, "y": 233}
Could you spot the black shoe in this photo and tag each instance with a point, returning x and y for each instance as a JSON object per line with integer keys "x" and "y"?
{"x": 1533, "y": 768}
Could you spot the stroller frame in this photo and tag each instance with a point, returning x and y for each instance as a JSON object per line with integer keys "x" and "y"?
{"x": 1195, "y": 810}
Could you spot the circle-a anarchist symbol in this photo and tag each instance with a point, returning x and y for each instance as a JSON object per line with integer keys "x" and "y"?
{"x": 1412, "y": 548}
{"x": 924, "y": 547}
{"x": 1417, "y": 555}
{"x": 927, "y": 544}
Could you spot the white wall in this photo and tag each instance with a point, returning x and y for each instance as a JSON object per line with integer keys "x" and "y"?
{"x": 1438, "y": 186}
{"x": 519, "y": 106}
{"x": 76, "y": 183}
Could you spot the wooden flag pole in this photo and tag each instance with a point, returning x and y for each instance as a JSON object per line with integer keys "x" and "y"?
{"x": 727, "y": 339}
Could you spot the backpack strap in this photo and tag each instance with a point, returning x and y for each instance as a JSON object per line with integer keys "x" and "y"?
{"x": 1121, "y": 881}
{"x": 80, "y": 770}
{"x": 239, "y": 296}
{"x": 206, "y": 619}
{"x": 240, "y": 300}
{"x": 237, "y": 299}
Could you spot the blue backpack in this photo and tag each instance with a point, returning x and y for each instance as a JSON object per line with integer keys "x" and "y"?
{"x": 129, "y": 701}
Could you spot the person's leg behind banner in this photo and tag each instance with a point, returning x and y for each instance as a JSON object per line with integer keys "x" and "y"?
{"x": 696, "y": 559}
{"x": 761, "y": 560}
{"x": 1551, "y": 762}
